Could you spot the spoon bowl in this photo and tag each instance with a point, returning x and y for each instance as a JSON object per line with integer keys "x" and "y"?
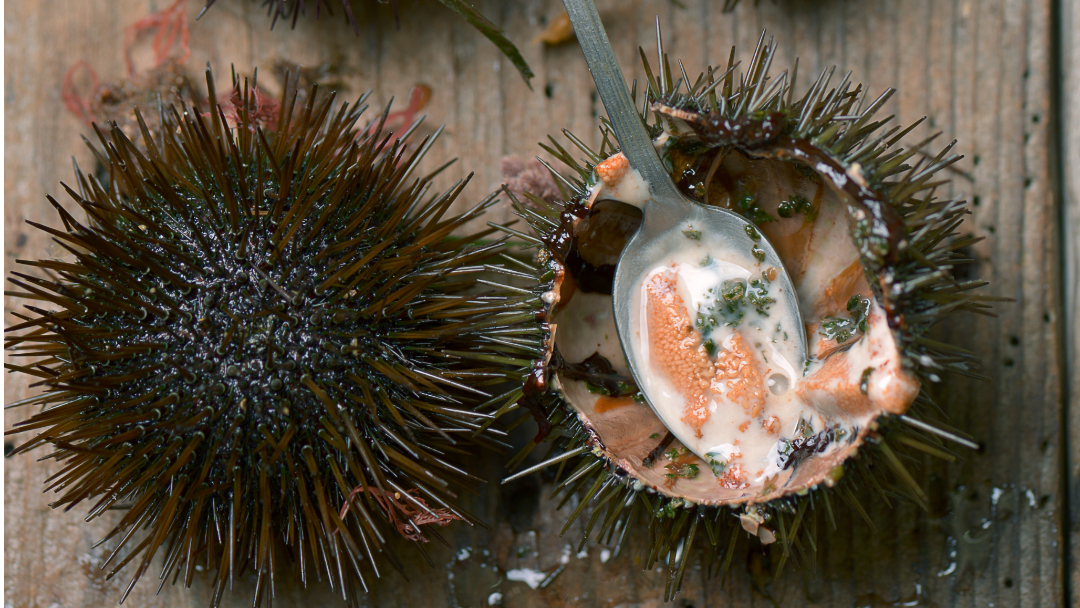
{"x": 671, "y": 223}
{"x": 662, "y": 237}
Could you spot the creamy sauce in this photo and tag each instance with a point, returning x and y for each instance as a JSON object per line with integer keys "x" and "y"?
{"x": 619, "y": 182}
{"x": 724, "y": 377}
{"x": 722, "y": 358}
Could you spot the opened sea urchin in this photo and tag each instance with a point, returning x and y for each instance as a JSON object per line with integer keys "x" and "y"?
{"x": 266, "y": 345}
{"x": 870, "y": 250}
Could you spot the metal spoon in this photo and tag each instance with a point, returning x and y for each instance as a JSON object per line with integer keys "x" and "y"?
{"x": 667, "y": 213}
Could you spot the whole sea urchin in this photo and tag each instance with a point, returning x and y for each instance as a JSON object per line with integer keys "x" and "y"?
{"x": 870, "y": 249}
{"x": 267, "y": 345}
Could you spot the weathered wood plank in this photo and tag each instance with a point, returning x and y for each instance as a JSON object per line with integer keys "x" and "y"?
{"x": 1069, "y": 139}
{"x": 980, "y": 70}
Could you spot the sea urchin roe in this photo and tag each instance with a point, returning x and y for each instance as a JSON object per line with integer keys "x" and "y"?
{"x": 677, "y": 350}
{"x": 717, "y": 346}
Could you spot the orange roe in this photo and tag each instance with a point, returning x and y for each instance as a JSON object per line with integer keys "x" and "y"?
{"x": 676, "y": 347}
{"x": 613, "y": 169}
{"x": 771, "y": 425}
{"x": 744, "y": 382}
{"x": 733, "y": 478}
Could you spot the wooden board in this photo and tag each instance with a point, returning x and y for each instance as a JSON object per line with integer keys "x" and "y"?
{"x": 980, "y": 69}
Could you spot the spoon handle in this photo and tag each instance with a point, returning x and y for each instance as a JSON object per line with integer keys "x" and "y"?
{"x": 625, "y": 120}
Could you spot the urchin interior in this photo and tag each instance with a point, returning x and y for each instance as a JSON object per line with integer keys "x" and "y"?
{"x": 810, "y": 229}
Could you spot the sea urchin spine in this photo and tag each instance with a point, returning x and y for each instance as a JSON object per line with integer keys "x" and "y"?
{"x": 290, "y": 10}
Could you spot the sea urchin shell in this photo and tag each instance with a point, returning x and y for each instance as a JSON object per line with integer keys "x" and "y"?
{"x": 266, "y": 344}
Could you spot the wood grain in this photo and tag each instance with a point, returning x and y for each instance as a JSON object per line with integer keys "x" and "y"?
{"x": 980, "y": 70}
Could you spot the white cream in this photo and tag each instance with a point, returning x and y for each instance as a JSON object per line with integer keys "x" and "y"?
{"x": 745, "y": 429}
{"x": 752, "y": 429}
{"x": 619, "y": 182}
{"x": 841, "y": 392}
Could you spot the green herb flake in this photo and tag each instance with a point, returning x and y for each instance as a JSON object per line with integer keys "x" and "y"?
{"x": 864, "y": 383}
{"x": 842, "y": 329}
{"x": 718, "y": 466}
{"x": 807, "y": 171}
{"x": 796, "y": 205}
{"x": 683, "y": 471}
{"x": 748, "y": 205}
{"x": 758, "y": 296}
{"x": 597, "y": 389}
{"x": 693, "y": 235}
{"x": 710, "y": 347}
{"x": 668, "y": 510}
{"x": 729, "y": 308}
{"x": 733, "y": 290}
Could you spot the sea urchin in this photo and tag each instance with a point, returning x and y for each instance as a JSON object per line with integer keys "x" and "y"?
{"x": 266, "y": 344}
{"x": 870, "y": 249}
